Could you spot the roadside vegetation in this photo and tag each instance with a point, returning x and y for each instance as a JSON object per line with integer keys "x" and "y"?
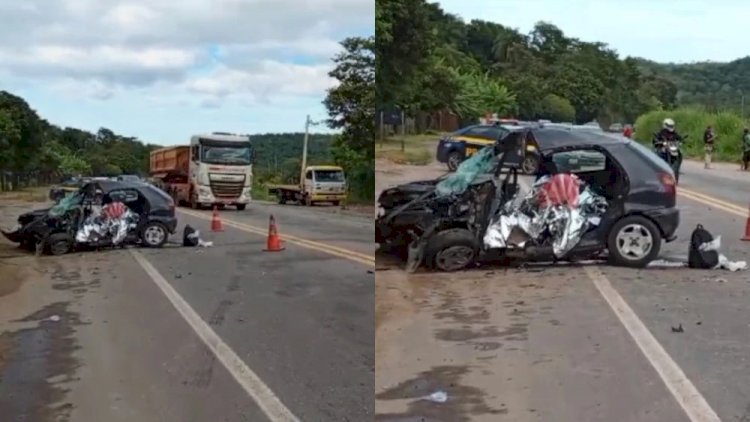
{"x": 410, "y": 149}
{"x": 693, "y": 121}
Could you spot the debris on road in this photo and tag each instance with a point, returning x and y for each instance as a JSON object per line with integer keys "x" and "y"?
{"x": 704, "y": 252}
{"x": 678, "y": 329}
{"x": 438, "y": 397}
{"x": 663, "y": 263}
{"x": 191, "y": 238}
{"x": 54, "y": 318}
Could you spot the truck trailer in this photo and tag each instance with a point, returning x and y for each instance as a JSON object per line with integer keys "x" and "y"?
{"x": 213, "y": 170}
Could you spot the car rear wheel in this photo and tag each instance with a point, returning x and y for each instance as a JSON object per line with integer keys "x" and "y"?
{"x": 454, "y": 160}
{"x": 154, "y": 235}
{"x": 451, "y": 250}
{"x": 634, "y": 241}
{"x": 241, "y": 207}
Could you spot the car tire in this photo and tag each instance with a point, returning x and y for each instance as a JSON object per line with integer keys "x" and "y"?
{"x": 627, "y": 235}
{"x": 530, "y": 164}
{"x": 451, "y": 250}
{"x": 154, "y": 234}
{"x": 454, "y": 160}
{"x": 58, "y": 244}
{"x": 336, "y": 203}
{"x": 241, "y": 207}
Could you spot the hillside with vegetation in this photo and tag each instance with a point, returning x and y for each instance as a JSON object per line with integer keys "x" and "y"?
{"x": 712, "y": 85}
{"x": 431, "y": 61}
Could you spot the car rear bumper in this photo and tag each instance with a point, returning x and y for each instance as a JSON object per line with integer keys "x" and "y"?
{"x": 668, "y": 220}
{"x": 170, "y": 223}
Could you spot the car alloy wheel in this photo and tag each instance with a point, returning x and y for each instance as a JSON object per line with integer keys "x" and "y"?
{"x": 634, "y": 242}
{"x": 154, "y": 235}
{"x": 454, "y": 258}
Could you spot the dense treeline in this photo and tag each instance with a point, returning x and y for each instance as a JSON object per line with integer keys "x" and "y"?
{"x": 32, "y": 150}
{"x": 428, "y": 60}
{"x": 714, "y": 86}
{"x": 36, "y": 151}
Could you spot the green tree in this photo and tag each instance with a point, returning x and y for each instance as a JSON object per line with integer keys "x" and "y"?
{"x": 351, "y": 108}
{"x": 558, "y": 109}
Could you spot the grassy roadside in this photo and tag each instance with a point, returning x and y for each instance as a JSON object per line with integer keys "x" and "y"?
{"x": 418, "y": 149}
{"x": 34, "y": 194}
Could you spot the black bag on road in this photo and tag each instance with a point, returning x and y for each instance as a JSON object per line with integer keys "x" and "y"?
{"x": 698, "y": 258}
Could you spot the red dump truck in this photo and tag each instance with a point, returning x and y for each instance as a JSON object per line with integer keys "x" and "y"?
{"x": 215, "y": 169}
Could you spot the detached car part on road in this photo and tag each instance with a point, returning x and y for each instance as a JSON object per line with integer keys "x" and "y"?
{"x": 102, "y": 213}
{"x": 593, "y": 194}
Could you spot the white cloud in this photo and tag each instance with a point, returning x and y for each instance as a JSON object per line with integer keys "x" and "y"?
{"x": 140, "y": 42}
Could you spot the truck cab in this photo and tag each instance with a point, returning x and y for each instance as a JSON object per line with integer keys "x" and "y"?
{"x": 324, "y": 184}
{"x": 221, "y": 170}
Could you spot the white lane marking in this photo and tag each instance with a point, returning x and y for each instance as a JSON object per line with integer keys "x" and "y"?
{"x": 688, "y": 397}
{"x": 253, "y": 385}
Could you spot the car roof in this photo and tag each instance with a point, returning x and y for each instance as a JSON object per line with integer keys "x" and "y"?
{"x": 550, "y": 138}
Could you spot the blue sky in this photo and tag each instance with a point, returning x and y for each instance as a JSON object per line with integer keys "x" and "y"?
{"x": 165, "y": 70}
{"x": 661, "y": 30}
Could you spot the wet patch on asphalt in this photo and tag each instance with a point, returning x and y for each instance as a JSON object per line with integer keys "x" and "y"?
{"x": 462, "y": 403}
{"x": 35, "y": 363}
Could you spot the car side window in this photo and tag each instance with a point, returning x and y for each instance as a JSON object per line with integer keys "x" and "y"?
{"x": 579, "y": 161}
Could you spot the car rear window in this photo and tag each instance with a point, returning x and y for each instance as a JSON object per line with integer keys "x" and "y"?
{"x": 649, "y": 156}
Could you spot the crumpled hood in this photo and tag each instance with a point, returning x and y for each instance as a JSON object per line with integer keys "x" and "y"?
{"x": 401, "y": 194}
{"x": 28, "y": 217}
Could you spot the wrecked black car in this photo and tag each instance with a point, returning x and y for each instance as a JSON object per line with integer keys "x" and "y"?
{"x": 592, "y": 195}
{"x": 100, "y": 214}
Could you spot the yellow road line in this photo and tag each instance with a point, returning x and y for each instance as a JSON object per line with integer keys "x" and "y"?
{"x": 714, "y": 202}
{"x": 318, "y": 246}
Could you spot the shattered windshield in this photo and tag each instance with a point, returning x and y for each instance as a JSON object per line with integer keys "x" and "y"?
{"x": 456, "y": 183}
{"x": 226, "y": 155}
{"x": 66, "y": 204}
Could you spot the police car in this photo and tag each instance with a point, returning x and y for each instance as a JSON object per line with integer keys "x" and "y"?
{"x": 454, "y": 148}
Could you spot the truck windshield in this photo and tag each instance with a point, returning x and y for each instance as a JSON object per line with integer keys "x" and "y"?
{"x": 329, "y": 176}
{"x": 226, "y": 155}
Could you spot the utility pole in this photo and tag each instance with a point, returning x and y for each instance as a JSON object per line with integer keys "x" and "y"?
{"x": 403, "y": 130}
{"x": 308, "y": 123}
{"x": 743, "y": 106}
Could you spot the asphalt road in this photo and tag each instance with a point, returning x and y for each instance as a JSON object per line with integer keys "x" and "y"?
{"x": 576, "y": 343}
{"x": 226, "y": 333}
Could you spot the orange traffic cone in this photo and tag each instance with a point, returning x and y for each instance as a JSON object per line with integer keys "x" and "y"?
{"x": 274, "y": 243}
{"x": 216, "y": 221}
{"x": 747, "y": 227}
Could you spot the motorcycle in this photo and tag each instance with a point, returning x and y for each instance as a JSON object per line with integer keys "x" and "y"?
{"x": 670, "y": 152}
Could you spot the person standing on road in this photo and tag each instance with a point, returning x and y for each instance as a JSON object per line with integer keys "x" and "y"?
{"x": 745, "y": 149}
{"x": 628, "y": 132}
{"x": 708, "y": 141}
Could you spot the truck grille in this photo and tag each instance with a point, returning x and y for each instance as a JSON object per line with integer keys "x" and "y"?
{"x": 226, "y": 189}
